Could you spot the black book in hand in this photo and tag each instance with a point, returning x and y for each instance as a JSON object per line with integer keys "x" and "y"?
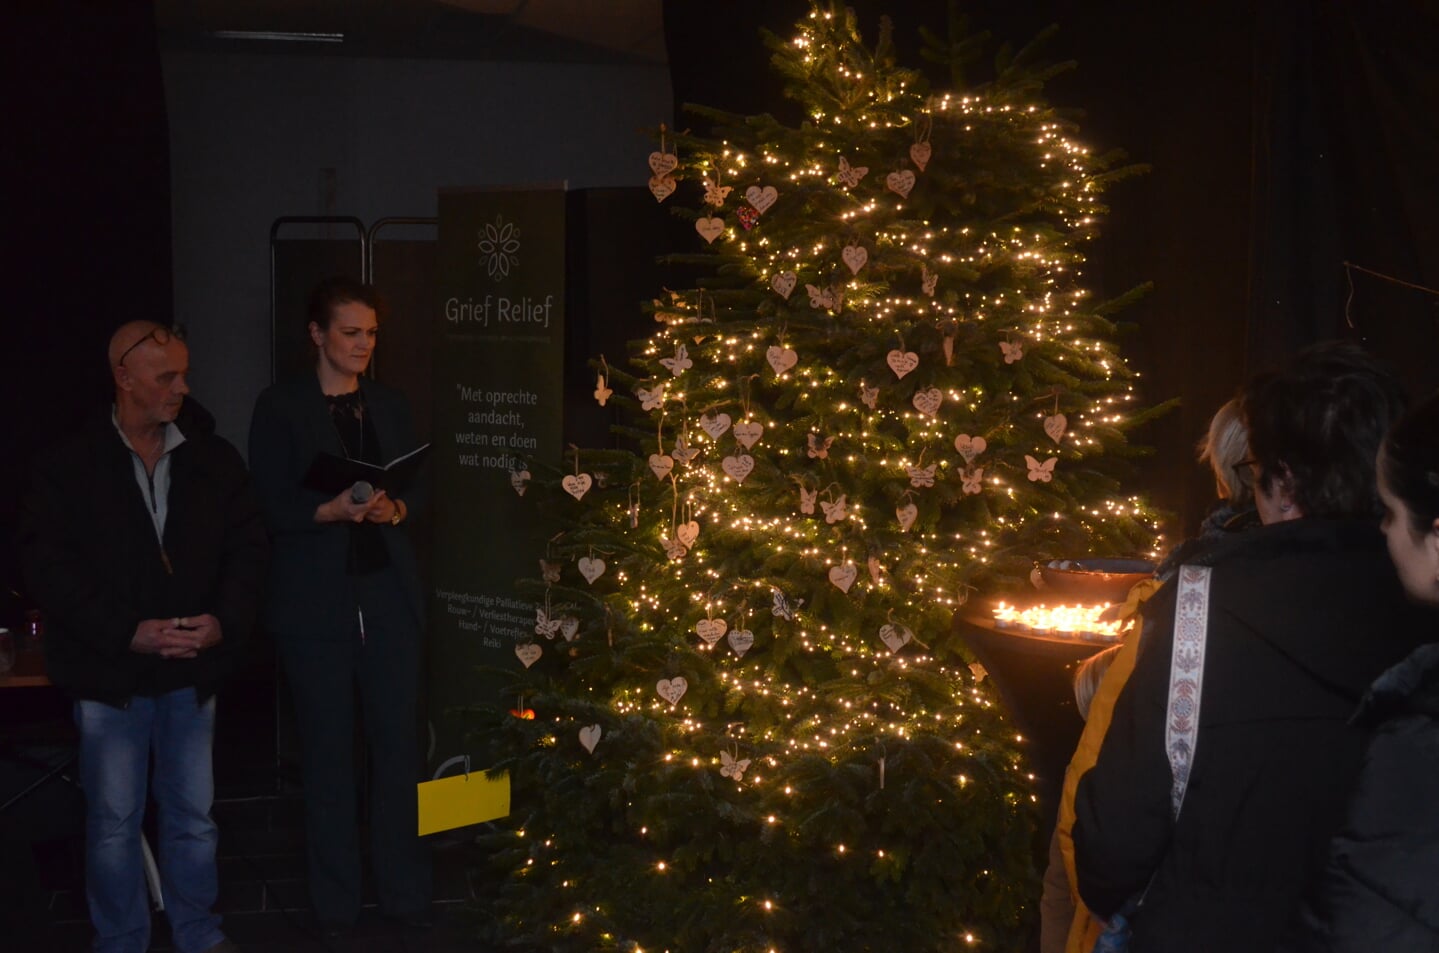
{"x": 331, "y": 474}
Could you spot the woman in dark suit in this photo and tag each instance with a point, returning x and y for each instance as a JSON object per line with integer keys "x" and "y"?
{"x": 344, "y": 607}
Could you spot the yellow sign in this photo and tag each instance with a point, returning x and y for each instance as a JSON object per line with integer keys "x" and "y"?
{"x": 461, "y": 800}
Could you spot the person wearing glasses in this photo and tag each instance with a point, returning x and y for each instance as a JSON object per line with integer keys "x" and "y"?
{"x": 143, "y": 543}
{"x": 1303, "y": 613}
{"x": 345, "y": 609}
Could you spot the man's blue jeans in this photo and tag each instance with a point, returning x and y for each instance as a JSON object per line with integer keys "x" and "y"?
{"x": 115, "y": 749}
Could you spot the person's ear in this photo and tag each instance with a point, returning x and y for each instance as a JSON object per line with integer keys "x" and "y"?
{"x": 317, "y": 336}
{"x": 1284, "y": 485}
{"x": 1431, "y": 548}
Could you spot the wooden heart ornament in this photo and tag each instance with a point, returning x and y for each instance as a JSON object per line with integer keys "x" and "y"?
{"x": 781, "y": 359}
{"x": 854, "y": 257}
{"x": 901, "y": 362}
{"x": 748, "y": 433}
{"x": 900, "y": 183}
{"x": 740, "y": 640}
{"x": 784, "y": 284}
{"x": 577, "y": 484}
{"x": 842, "y": 577}
{"x": 589, "y": 737}
{"x": 1055, "y": 425}
{"x": 711, "y": 630}
{"x": 663, "y": 163}
{"x": 662, "y": 187}
{"x": 592, "y": 568}
{"x": 709, "y": 228}
{"x": 895, "y": 636}
{"x": 920, "y": 153}
{"x": 528, "y": 654}
{"x": 761, "y": 198}
{"x": 661, "y": 464}
{"x": 906, "y": 515}
{"x": 672, "y": 689}
{"x": 928, "y": 401}
{"x": 970, "y": 447}
{"x": 688, "y": 533}
{"x": 714, "y": 425}
{"x": 738, "y": 467}
{"x": 520, "y": 480}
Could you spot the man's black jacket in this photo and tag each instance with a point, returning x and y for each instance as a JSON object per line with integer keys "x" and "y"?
{"x": 94, "y": 566}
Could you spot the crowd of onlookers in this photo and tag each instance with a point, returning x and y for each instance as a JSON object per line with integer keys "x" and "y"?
{"x": 1259, "y": 768}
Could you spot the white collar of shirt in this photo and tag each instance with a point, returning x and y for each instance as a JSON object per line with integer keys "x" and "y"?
{"x": 155, "y": 488}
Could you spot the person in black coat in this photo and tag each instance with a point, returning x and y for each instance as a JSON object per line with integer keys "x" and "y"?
{"x": 1304, "y": 612}
{"x": 345, "y": 608}
{"x": 143, "y": 543}
{"x": 1379, "y": 889}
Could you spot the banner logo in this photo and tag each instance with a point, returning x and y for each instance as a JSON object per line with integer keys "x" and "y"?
{"x": 500, "y": 248}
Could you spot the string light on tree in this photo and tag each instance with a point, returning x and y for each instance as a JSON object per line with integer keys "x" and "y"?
{"x": 793, "y": 751}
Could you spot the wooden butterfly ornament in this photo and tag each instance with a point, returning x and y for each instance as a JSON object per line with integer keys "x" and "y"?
{"x": 680, "y": 363}
{"x": 784, "y": 607}
{"x": 732, "y": 767}
{"x": 823, "y": 297}
{"x": 1040, "y": 472}
{"x": 922, "y": 476}
{"x": 545, "y": 625}
{"x": 849, "y": 175}
{"x": 715, "y": 194}
{"x": 819, "y": 448}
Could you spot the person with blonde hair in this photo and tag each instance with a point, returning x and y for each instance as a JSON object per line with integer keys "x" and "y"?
{"x": 1224, "y": 447}
{"x": 1067, "y": 924}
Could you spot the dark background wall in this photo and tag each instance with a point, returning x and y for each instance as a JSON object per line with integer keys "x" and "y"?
{"x": 1285, "y": 138}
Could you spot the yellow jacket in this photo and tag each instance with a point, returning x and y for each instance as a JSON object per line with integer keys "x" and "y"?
{"x": 1086, "y": 927}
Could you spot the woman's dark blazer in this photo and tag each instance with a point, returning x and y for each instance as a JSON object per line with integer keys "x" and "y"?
{"x": 310, "y": 596}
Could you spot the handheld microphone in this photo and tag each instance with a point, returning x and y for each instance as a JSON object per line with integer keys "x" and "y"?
{"x": 361, "y": 492}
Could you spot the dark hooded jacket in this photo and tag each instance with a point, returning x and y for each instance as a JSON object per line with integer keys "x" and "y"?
{"x": 1380, "y": 887}
{"x": 1303, "y": 616}
{"x": 94, "y": 566}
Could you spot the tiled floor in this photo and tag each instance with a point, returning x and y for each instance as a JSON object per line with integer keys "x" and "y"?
{"x": 262, "y": 888}
{"x": 262, "y": 893}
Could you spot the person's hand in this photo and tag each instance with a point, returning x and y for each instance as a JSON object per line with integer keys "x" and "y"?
{"x": 205, "y": 630}
{"x": 343, "y": 509}
{"x": 382, "y": 508}
{"x": 181, "y": 637}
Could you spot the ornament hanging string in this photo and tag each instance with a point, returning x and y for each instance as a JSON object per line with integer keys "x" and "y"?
{"x": 1350, "y": 268}
{"x": 746, "y": 390}
{"x": 923, "y": 127}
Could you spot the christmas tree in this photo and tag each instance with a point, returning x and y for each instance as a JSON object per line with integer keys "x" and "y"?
{"x": 753, "y": 727}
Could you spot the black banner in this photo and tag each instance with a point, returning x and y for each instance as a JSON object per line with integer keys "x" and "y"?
{"x": 498, "y": 366}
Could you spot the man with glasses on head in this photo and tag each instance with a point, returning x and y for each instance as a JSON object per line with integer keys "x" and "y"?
{"x": 145, "y": 547}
